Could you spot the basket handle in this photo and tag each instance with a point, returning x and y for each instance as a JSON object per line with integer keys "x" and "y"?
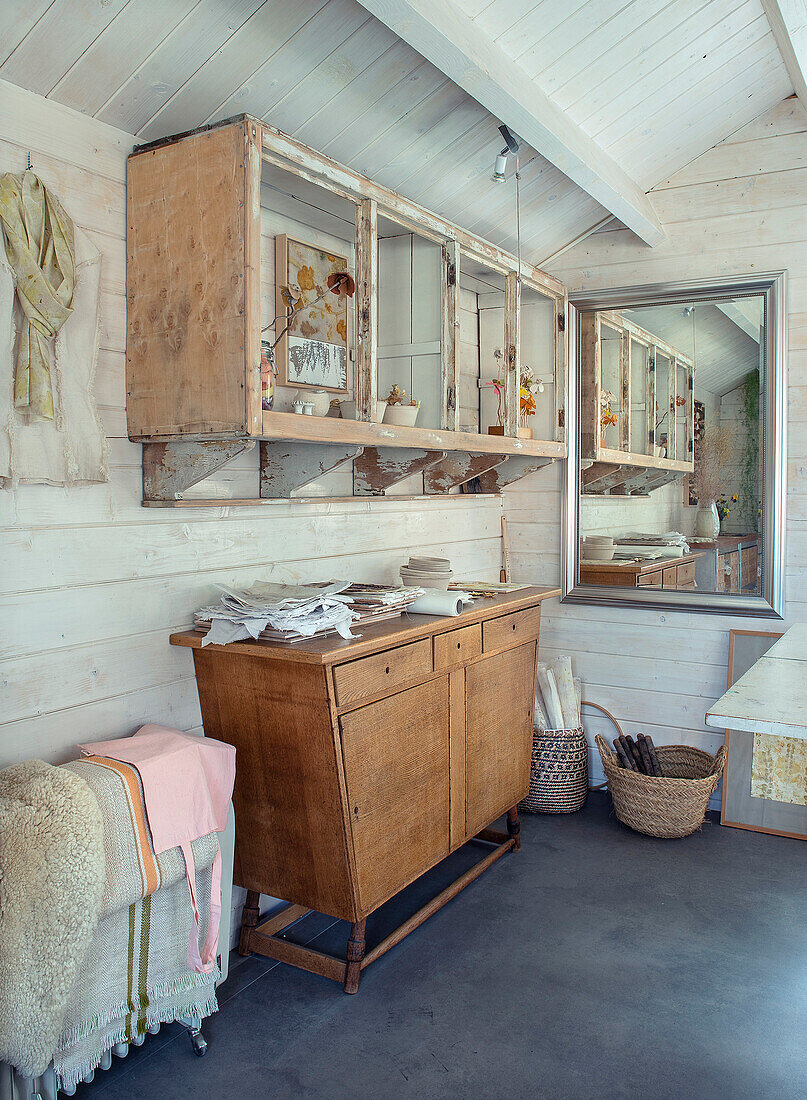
{"x": 607, "y": 713}
{"x": 717, "y": 767}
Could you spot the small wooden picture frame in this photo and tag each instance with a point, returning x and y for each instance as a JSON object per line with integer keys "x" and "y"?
{"x": 314, "y": 353}
{"x": 739, "y": 807}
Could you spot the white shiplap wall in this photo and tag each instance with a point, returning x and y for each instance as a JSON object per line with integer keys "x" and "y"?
{"x": 740, "y": 208}
{"x": 91, "y": 583}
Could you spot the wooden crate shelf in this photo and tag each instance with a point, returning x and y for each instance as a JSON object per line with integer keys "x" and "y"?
{"x": 628, "y": 465}
{"x": 194, "y": 322}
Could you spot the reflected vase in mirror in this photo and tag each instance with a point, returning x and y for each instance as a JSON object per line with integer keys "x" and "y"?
{"x": 707, "y": 521}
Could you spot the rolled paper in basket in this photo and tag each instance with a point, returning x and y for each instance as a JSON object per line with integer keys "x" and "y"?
{"x": 540, "y": 722}
{"x": 436, "y": 602}
{"x": 578, "y": 690}
{"x": 549, "y": 691}
{"x": 562, "y": 671}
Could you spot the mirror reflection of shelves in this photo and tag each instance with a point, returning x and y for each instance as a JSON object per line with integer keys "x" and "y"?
{"x": 637, "y": 408}
{"x": 272, "y": 354}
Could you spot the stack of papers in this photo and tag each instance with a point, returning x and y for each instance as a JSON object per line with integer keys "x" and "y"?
{"x": 381, "y": 601}
{"x": 278, "y": 612}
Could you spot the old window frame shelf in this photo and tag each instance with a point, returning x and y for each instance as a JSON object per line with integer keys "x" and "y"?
{"x": 193, "y": 332}
{"x": 620, "y": 471}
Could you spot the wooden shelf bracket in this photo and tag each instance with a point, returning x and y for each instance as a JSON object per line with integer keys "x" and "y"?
{"x": 458, "y": 468}
{"x": 171, "y": 468}
{"x": 376, "y": 469}
{"x": 512, "y": 469}
{"x": 285, "y": 466}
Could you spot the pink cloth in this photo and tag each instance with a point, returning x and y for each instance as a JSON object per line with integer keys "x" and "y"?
{"x": 187, "y": 786}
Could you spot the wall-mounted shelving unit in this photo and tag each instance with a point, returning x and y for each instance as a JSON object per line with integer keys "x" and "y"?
{"x": 652, "y": 384}
{"x": 198, "y": 282}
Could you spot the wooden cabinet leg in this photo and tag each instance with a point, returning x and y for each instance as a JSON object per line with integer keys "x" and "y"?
{"x": 514, "y": 828}
{"x": 355, "y": 954}
{"x": 250, "y": 916}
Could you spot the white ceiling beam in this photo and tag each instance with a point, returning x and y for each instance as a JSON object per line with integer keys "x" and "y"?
{"x": 788, "y": 20}
{"x": 453, "y": 43}
{"x": 745, "y": 313}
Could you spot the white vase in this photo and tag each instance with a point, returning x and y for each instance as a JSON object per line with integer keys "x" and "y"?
{"x": 322, "y": 402}
{"x": 707, "y": 521}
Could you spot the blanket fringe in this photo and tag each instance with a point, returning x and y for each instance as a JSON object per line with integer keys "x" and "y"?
{"x": 165, "y": 1014}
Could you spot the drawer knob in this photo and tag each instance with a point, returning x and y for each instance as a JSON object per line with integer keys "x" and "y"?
{"x": 387, "y": 669}
{"x": 458, "y": 645}
{"x": 514, "y": 626}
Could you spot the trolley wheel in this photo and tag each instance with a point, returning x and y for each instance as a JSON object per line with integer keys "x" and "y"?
{"x": 199, "y": 1044}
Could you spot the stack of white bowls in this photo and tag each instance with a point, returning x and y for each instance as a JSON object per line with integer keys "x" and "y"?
{"x": 426, "y": 573}
{"x": 598, "y": 548}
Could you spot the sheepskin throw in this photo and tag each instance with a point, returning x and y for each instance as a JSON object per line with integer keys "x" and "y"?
{"x": 52, "y": 870}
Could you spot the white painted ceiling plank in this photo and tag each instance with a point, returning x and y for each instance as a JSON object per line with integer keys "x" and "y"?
{"x": 121, "y": 48}
{"x": 174, "y": 61}
{"x": 260, "y": 37}
{"x": 538, "y": 23}
{"x": 389, "y": 108}
{"x": 414, "y": 127}
{"x": 583, "y": 54}
{"x": 449, "y": 40}
{"x": 16, "y": 21}
{"x": 657, "y": 74}
{"x": 356, "y": 99}
{"x": 422, "y": 154}
{"x": 788, "y": 20}
{"x": 294, "y": 61}
{"x": 64, "y": 32}
{"x": 324, "y": 84}
{"x": 749, "y": 86}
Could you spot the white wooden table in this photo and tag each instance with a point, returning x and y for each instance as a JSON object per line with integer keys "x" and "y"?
{"x": 772, "y": 696}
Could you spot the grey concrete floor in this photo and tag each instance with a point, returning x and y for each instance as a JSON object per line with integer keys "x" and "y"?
{"x": 594, "y": 963}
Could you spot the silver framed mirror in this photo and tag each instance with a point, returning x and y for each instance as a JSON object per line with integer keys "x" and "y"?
{"x": 676, "y": 479}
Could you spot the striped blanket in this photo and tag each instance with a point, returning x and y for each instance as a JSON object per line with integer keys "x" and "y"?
{"x": 136, "y": 971}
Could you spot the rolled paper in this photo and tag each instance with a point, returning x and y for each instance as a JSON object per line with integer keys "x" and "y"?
{"x": 540, "y": 721}
{"x": 549, "y": 692}
{"x": 578, "y": 690}
{"x": 562, "y": 671}
{"x": 651, "y": 748}
{"x": 436, "y": 602}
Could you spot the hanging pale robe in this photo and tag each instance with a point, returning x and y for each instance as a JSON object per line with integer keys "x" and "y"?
{"x": 71, "y": 447}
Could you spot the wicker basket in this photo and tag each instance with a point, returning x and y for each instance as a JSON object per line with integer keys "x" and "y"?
{"x": 672, "y": 806}
{"x": 558, "y": 773}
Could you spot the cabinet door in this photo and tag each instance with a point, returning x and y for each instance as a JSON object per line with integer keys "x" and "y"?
{"x": 396, "y": 768}
{"x": 499, "y": 701}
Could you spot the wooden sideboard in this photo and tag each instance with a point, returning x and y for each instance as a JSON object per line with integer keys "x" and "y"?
{"x": 363, "y": 763}
{"x": 730, "y": 563}
{"x": 678, "y": 573}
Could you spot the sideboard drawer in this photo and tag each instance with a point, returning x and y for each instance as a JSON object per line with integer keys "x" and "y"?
{"x": 685, "y": 575}
{"x": 369, "y": 676}
{"x": 455, "y": 647}
{"x": 510, "y": 630}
